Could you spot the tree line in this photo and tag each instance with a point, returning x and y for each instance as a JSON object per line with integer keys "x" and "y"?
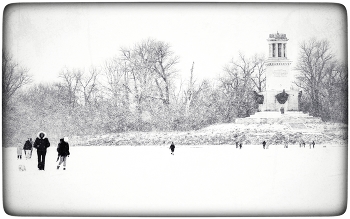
{"x": 137, "y": 90}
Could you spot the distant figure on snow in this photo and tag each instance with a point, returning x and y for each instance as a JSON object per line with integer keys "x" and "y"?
{"x": 63, "y": 152}
{"x": 313, "y": 144}
{"x": 19, "y": 151}
{"x": 41, "y": 144}
{"x": 172, "y": 148}
{"x": 28, "y": 147}
{"x": 240, "y": 145}
{"x": 236, "y": 144}
{"x": 264, "y": 144}
{"x": 282, "y": 110}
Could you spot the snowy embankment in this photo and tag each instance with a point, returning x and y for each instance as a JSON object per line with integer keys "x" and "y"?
{"x": 223, "y": 134}
{"x": 196, "y": 181}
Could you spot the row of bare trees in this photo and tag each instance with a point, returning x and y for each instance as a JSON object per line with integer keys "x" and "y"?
{"x": 14, "y": 77}
{"x": 323, "y": 80}
{"x": 137, "y": 91}
{"x": 242, "y": 76}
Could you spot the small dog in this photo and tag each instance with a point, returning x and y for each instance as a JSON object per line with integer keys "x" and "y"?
{"x": 21, "y": 167}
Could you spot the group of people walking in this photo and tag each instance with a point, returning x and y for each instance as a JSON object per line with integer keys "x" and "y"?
{"x": 41, "y": 144}
{"x": 301, "y": 144}
{"x": 27, "y": 148}
{"x": 239, "y": 145}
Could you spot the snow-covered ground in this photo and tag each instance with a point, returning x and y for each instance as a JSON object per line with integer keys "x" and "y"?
{"x": 196, "y": 181}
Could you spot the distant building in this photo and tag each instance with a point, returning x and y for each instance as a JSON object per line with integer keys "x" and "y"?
{"x": 279, "y": 92}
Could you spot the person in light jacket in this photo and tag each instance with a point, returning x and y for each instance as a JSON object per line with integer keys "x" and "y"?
{"x": 19, "y": 151}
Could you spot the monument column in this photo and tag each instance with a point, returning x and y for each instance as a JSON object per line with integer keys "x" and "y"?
{"x": 285, "y": 50}
{"x": 276, "y": 50}
{"x": 282, "y": 50}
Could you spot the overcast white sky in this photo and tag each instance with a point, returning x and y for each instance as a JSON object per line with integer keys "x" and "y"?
{"x": 45, "y": 38}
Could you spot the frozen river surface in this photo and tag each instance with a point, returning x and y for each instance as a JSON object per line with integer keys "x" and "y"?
{"x": 196, "y": 181}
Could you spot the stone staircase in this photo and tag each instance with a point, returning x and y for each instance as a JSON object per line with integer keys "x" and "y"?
{"x": 291, "y": 117}
{"x": 292, "y": 123}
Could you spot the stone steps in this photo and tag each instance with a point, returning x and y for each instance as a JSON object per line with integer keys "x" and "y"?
{"x": 279, "y": 115}
{"x": 278, "y": 118}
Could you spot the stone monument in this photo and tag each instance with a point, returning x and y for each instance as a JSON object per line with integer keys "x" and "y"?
{"x": 279, "y": 94}
{"x": 279, "y": 103}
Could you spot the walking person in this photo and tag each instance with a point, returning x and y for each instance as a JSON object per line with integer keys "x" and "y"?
{"x": 63, "y": 152}
{"x": 28, "y": 147}
{"x": 313, "y": 144}
{"x": 172, "y": 148}
{"x": 264, "y": 144}
{"x": 19, "y": 151}
{"x": 240, "y": 145}
{"x": 41, "y": 144}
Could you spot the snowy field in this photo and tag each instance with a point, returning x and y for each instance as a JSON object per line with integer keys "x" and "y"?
{"x": 196, "y": 181}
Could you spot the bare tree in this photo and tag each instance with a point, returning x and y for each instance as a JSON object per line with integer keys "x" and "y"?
{"x": 334, "y": 93}
{"x": 14, "y": 77}
{"x": 149, "y": 68}
{"x": 238, "y": 84}
{"x": 163, "y": 65}
{"x": 259, "y": 77}
{"x": 117, "y": 81}
{"x": 189, "y": 92}
{"x": 136, "y": 72}
{"x": 71, "y": 80}
{"x": 193, "y": 91}
{"x": 314, "y": 58}
{"x": 88, "y": 83}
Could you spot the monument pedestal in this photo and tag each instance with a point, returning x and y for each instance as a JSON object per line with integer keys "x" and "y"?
{"x": 271, "y": 103}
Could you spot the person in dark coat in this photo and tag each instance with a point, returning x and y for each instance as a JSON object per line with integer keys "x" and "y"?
{"x": 264, "y": 144}
{"x": 172, "y": 148}
{"x": 313, "y": 144}
{"x": 240, "y": 145}
{"x": 41, "y": 144}
{"x": 63, "y": 152}
{"x": 27, "y": 148}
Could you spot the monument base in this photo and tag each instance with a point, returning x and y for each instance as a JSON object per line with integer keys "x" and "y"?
{"x": 269, "y": 117}
{"x": 271, "y": 103}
